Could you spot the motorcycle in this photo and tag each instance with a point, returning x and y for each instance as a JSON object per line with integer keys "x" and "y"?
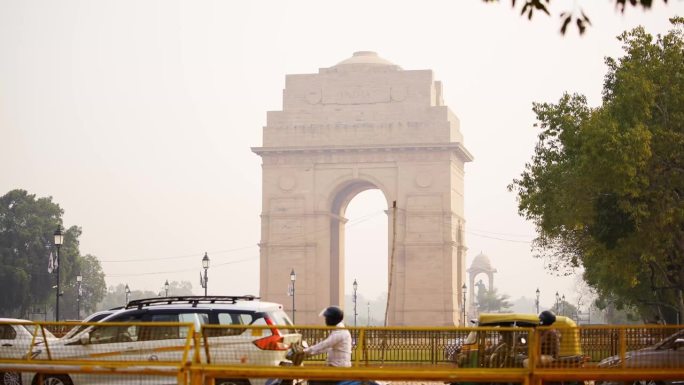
{"x": 295, "y": 356}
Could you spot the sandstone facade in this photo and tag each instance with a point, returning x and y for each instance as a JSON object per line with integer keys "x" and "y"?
{"x": 364, "y": 123}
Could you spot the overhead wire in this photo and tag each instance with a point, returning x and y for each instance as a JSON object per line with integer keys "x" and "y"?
{"x": 497, "y": 233}
{"x": 194, "y": 255}
{"x": 351, "y": 223}
{"x": 179, "y": 271}
{"x": 498, "y": 238}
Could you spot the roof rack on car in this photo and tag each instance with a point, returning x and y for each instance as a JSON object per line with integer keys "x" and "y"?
{"x": 191, "y": 299}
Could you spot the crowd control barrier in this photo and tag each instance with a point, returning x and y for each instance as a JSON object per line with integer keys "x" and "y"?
{"x": 180, "y": 353}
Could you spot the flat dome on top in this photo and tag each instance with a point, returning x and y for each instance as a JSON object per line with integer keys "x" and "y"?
{"x": 367, "y": 58}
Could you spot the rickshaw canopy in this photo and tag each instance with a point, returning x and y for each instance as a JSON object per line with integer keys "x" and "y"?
{"x": 570, "y": 338}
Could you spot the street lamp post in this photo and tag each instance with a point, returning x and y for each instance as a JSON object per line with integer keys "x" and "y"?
{"x": 577, "y": 311}
{"x": 368, "y": 319}
{"x": 166, "y": 288}
{"x": 536, "y": 301}
{"x": 127, "y": 291}
{"x": 59, "y": 239}
{"x": 293, "y": 278}
{"x": 356, "y": 286}
{"x": 79, "y": 279}
{"x": 562, "y": 309}
{"x": 204, "y": 281}
{"x": 464, "y": 289}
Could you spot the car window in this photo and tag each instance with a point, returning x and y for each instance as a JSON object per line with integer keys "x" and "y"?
{"x": 235, "y": 318}
{"x": 147, "y": 333}
{"x": 7, "y": 332}
{"x": 171, "y": 317}
{"x": 111, "y": 334}
{"x": 274, "y": 317}
{"x": 279, "y": 317}
{"x": 80, "y": 328}
{"x": 231, "y": 318}
{"x": 190, "y": 318}
{"x": 105, "y": 334}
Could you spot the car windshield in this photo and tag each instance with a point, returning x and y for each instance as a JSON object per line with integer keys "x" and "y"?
{"x": 31, "y": 328}
{"x": 92, "y": 318}
{"x": 665, "y": 344}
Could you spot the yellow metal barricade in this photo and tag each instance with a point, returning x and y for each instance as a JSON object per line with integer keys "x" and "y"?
{"x": 114, "y": 352}
{"x": 251, "y": 354}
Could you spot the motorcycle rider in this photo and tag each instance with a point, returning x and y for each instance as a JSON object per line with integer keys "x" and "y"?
{"x": 549, "y": 340}
{"x": 338, "y": 344}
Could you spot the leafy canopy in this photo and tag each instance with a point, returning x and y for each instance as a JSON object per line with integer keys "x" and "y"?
{"x": 27, "y": 225}
{"x": 605, "y": 187}
{"x": 490, "y": 301}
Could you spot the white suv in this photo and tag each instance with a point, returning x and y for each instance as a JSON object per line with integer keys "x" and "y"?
{"x": 16, "y": 339}
{"x": 134, "y": 334}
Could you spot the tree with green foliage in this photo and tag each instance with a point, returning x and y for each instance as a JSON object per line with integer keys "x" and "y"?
{"x": 489, "y": 300}
{"x": 27, "y": 225}
{"x": 116, "y": 295}
{"x": 93, "y": 289}
{"x": 566, "y": 309}
{"x": 605, "y": 187}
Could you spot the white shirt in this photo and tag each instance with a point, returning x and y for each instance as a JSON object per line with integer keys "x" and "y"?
{"x": 338, "y": 345}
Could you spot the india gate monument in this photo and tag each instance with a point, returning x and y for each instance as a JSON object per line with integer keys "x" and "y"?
{"x": 362, "y": 124}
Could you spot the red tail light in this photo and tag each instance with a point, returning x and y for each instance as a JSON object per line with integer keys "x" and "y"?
{"x": 271, "y": 343}
{"x": 274, "y": 341}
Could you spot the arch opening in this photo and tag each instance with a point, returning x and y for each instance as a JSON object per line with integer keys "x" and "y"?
{"x": 359, "y": 248}
{"x": 366, "y": 249}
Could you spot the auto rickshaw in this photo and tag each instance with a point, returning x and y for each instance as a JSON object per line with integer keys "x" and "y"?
{"x": 508, "y": 347}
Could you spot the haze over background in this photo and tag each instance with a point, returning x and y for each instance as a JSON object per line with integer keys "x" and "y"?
{"x": 137, "y": 117}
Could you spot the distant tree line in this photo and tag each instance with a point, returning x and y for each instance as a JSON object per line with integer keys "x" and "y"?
{"x": 116, "y": 295}
{"x": 27, "y": 279}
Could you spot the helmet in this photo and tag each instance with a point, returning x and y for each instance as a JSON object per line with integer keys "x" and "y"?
{"x": 547, "y": 318}
{"x": 333, "y": 315}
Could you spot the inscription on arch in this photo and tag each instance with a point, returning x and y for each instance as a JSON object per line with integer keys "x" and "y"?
{"x": 356, "y": 95}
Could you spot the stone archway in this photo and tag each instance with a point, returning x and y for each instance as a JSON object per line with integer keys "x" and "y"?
{"x": 364, "y": 123}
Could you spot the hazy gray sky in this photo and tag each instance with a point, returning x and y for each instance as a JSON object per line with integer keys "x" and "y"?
{"x": 137, "y": 117}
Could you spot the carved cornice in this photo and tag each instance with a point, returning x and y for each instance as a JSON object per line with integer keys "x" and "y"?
{"x": 456, "y": 148}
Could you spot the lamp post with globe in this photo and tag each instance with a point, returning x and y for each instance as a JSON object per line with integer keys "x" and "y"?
{"x": 59, "y": 239}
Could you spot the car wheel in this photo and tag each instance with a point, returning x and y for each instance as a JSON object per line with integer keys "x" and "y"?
{"x": 10, "y": 378}
{"x": 647, "y": 382}
{"x": 229, "y": 381}
{"x": 52, "y": 379}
